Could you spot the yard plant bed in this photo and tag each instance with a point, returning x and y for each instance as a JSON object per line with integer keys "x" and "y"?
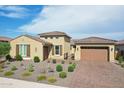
{"x": 41, "y": 72}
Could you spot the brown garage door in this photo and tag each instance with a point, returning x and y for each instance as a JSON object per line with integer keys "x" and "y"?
{"x": 94, "y": 54}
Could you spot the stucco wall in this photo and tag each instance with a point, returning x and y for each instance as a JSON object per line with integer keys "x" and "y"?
{"x": 58, "y": 41}
{"x": 33, "y": 44}
{"x": 111, "y": 52}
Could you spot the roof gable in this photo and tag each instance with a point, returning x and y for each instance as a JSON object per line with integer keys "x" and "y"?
{"x": 34, "y": 38}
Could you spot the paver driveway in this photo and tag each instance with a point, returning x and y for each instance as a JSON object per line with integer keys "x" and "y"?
{"x": 97, "y": 74}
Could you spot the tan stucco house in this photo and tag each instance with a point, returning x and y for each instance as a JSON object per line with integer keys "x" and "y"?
{"x": 58, "y": 45}
{"x": 52, "y": 45}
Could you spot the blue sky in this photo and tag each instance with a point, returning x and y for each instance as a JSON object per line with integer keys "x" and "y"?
{"x": 77, "y": 21}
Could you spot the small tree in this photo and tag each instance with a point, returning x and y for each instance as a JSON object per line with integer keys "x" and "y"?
{"x": 4, "y": 48}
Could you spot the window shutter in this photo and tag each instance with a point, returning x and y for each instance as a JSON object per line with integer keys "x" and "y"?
{"x": 53, "y": 50}
{"x": 60, "y": 50}
{"x": 17, "y": 49}
{"x": 28, "y": 50}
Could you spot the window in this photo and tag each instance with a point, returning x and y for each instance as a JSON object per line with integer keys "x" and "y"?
{"x": 23, "y": 50}
{"x": 45, "y": 37}
{"x": 57, "y": 50}
{"x": 51, "y": 37}
{"x": 57, "y": 37}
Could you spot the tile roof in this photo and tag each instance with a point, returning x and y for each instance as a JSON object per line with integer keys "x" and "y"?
{"x": 120, "y": 42}
{"x": 94, "y": 40}
{"x": 54, "y": 33}
{"x": 37, "y": 39}
{"x": 6, "y": 39}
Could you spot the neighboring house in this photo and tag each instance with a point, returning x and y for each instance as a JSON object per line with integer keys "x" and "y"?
{"x": 120, "y": 47}
{"x": 4, "y": 39}
{"x": 58, "y": 45}
{"x": 94, "y": 49}
{"x": 52, "y": 45}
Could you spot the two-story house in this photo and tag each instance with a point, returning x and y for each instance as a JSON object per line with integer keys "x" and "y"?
{"x": 54, "y": 45}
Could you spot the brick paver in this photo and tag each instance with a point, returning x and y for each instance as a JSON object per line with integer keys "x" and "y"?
{"x": 97, "y": 74}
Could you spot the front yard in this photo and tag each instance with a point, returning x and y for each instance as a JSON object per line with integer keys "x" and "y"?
{"x": 50, "y": 72}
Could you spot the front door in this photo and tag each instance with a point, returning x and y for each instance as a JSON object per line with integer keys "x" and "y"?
{"x": 45, "y": 52}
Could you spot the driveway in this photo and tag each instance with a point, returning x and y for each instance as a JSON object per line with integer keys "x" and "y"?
{"x": 97, "y": 74}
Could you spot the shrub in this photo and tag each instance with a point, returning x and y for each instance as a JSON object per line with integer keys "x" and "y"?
{"x": 36, "y": 59}
{"x": 13, "y": 68}
{"x": 59, "y": 68}
{"x": 70, "y": 68}
{"x": 62, "y": 74}
{"x": 1, "y": 69}
{"x": 52, "y": 80}
{"x": 30, "y": 69}
{"x": 25, "y": 74}
{"x": 74, "y": 65}
{"x": 122, "y": 65}
{"x": 19, "y": 58}
{"x": 54, "y": 61}
{"x": 63, "y": 61}
{"x": 8, "y": 57}
{"x": 8, "y": 73}
{"x": 120, "y": 59}
{"x": 41, "y": 77}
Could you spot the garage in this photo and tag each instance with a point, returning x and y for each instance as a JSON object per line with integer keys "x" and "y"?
{"x": 95, "y": 54}
{"x": 94, "y": 49}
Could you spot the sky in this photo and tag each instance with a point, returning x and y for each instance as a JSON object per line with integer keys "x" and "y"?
{"x": 77, "y": 21}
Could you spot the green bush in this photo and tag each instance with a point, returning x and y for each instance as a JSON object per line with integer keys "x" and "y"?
{"x": 8, "y": 73}
{"x": 54, "y": 61}
{"x": 120, "y": 59}
{"x": 52, "y": 80}
{"x": 74, "y": 65}
{"x": 122, "y": 65}
{"x": 14, "y": 68}
{"x": 41, "y": 77}
{"x": 63, "y": 61}
{"x": 8, "y": 57}
{"x": 19, "y": 58}
{"x": 59, "y": 68}
{"x": 30, "y": 69}
{"x": 62, "y": 74}
{"x": 36, "y": 59}
{"x": 26, "y": 74}
{"x": 1, "y": 69}
{"x": 70, "y": 68}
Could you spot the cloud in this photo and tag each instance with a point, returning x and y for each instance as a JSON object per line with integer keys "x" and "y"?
{"x": 13, "y": 11}
{"x": 75, "y": 20}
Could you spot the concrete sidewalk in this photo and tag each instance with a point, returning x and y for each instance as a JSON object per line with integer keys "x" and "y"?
{"x": 14, "y": 83}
